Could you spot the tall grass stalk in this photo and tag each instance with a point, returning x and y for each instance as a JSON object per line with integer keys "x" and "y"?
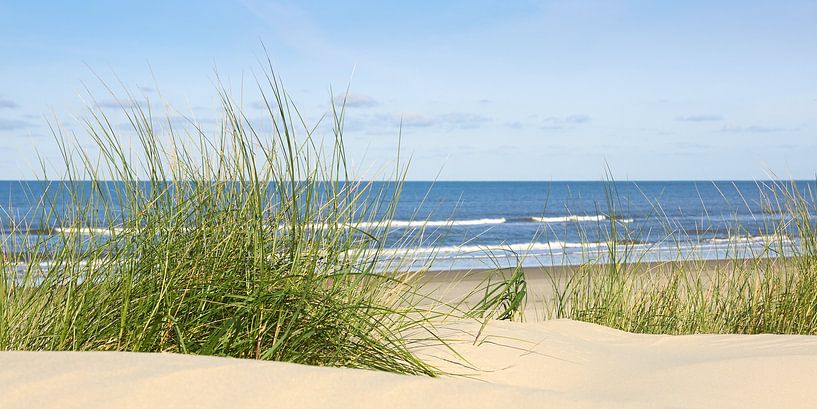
{"x": 237, "y": 242}
{"x": 770, "y": 290}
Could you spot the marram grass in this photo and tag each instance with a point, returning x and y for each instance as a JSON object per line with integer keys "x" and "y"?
{"x": 243, "y": 241}
{"x": 770, "y": 290}
{"x": 237, "y": 242}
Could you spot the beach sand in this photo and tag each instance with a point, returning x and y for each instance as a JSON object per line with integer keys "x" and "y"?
{"x": 543, "y": 283}
{"x": 557, "y": 363}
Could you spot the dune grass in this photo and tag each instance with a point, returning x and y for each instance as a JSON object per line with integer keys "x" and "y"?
{"x": 237, "y": 242}
{"x": 246, "y": 240}
{"x": 770, "y": 290}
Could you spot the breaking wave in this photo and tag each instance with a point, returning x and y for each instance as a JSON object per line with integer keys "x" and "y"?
{"x": 393, "y": 224}
{"x": 518, "y": 247}
{"x": 576, "y": 219}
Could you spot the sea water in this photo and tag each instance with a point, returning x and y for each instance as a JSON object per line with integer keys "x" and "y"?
{"x": 457, "y": 225}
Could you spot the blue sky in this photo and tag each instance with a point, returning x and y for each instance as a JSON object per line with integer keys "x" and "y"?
{"x": 528, "y": 90}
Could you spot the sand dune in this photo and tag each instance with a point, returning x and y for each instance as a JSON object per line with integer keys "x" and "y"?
{"x": 559, "y": 363}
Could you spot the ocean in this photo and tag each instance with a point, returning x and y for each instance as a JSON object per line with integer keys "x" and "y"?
{"x": 458, "y": 225}
{"x": 485, "y": 224}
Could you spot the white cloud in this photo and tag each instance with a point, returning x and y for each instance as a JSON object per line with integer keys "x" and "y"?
{"x": 120, "y": 104}
{"x": 554, "y": 122}
{"x": 452, "y": 120}
{"x": 14, "y": 124}
{"x": 754, "y": 129}
{"x": 700, "y": 118}
{"x": 356, "y": 101}
{"x": 7, "y": 103}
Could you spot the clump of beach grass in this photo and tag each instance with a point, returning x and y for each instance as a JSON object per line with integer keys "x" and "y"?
{"x": 769, "y": 289}
{"x": 234, "y": 241}
{"x": 250, "y": 240}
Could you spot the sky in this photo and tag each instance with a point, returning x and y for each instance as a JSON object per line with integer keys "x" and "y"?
{"x": 485, "y": 90}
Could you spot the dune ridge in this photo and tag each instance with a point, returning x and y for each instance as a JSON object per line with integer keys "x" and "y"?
{"x": 559, "y": 363}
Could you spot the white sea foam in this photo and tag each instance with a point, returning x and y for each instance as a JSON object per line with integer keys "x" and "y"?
{"x": 430, "y": 223}
{"x": 576, "y": 219}
{"x": 98, "y": 231}
{"x": 771, "y": 238}
{"x": 402, "y": 224}
{"x": 394, "y": 224}
{"x": 494, "y": 248}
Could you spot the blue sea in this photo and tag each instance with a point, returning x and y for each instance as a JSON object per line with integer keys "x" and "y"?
{"x": 489, "y": 224}
{"x": 457, "y": 225}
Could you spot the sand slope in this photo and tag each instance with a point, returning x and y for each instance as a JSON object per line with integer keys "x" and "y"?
{"x": 560, "y": 363}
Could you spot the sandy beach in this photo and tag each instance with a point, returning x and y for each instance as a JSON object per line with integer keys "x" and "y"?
{"x": 544, "y": 282}
{"x": 408, "y": 205}
{"x": 555, "y": 363}
{"x": 559, "y": 363}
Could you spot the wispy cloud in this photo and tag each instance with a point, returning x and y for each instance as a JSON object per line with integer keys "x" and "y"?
{"x": 260, "y": 104}
{"x": 755, "y": 129}
{"x": 377, "y": 123}
{"x": 406, "y": 120}
{"x": 556, "y": 122}
{"x": 549, "y": 122}
{"x": 463, "y": 120}
{"x": 691, "y": 146}
{"x": 14, "y": 125}
{"x": 294, "y": 27}
{"x": 700, "y": 118}
{"x": 184, "y": 120}
{"x": 177, "y": 122}
{"x": 8, "y": 104}
{"x": 120, "y": 104}
{"x": 356, "y": 101}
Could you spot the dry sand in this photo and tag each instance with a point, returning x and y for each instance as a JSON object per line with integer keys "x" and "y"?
{"x": 560, "y": 363}
{"x": 544, "y": 282}
{"x": 564, "y": 364}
